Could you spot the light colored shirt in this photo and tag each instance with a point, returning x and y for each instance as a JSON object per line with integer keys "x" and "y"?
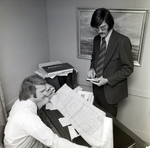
{"x": 107, "y": 38}
{"x": 24, "y": 124}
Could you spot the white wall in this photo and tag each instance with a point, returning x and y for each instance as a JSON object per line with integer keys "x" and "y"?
{"x": 23, "y": 43}
{"x": 134, "y": 112}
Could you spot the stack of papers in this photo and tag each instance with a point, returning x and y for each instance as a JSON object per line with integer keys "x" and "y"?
{"x": 90, "y": 122}
{"x": 55, "y": 68}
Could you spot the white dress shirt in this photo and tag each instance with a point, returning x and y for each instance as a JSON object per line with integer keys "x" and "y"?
{"x": 107, "y": 38}
{"x": 24, "y": 123}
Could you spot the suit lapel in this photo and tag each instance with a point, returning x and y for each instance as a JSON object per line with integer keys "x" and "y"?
{"x": 113, "y": 42}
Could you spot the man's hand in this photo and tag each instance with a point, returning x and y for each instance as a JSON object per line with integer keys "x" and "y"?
{"x": 91, "y": 73}
{"x": 50, "y": 92}
{"x": 100, "y": 81}
{"x": 49, "y": 89}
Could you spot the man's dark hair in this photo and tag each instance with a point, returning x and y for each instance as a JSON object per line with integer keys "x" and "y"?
{"x": 101, "y": 15}
{"x": 28, "y": 86}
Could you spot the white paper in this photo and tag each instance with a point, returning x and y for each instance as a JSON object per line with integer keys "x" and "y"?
{"x": 42, "y": 73}
{"x": 84, "y": 117}
{"x": 64, "y": 121}
{"x": 73, "y": 133}
{"x": 78, "y": 88}
{"x": 60, "y": 73}
{"x": 88, "y": 96}
{"x": 107, "y": 137}
{"x": 50, "y": 106}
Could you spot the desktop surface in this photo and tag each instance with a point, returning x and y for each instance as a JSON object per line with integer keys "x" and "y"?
{"x": 122, "y": 136}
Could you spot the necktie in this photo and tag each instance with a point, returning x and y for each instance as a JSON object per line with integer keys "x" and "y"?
{"x": 101, "y": 58}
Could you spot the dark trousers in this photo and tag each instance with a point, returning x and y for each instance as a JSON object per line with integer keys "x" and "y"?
{"x": 100, "y": 101}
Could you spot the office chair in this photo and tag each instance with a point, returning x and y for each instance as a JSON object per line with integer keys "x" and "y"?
{"x": 1, "y": 136}
{"x": 3, "y": 117}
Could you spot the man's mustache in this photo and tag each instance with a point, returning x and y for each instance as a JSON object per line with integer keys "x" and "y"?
{"x": 101, "y": 34}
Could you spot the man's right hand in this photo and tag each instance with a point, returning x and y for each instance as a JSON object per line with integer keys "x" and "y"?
{"x": 91, "y": 73}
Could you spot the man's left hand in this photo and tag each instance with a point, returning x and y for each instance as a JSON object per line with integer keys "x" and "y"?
{"x": 100, "y": 81}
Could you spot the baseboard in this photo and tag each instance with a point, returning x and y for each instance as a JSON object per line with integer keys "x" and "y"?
{"x": 143, "y": 135}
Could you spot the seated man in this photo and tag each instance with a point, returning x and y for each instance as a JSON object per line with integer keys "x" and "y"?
{"x": 24, "y": 128}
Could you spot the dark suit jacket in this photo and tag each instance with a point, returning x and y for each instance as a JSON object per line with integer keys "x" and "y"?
{"x": 117, "y": 67}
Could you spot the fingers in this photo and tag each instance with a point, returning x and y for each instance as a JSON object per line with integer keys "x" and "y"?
{"x": 91, "y": 73}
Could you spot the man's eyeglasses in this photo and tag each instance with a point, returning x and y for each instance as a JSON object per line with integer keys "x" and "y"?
{"x": 100, "y": 28}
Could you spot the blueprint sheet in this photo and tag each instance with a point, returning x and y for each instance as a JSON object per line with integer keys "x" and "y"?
{"x": 90, "y": 122}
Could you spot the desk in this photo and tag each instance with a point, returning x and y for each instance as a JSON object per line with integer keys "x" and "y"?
{"x": 121, "y": 133}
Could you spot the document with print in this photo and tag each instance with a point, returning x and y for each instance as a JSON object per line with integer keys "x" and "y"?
{"x": 88, "y": 96}
{"x": 84, "y": 117}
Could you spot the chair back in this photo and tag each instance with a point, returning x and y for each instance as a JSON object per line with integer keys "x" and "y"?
{"x": 3, "y": 117}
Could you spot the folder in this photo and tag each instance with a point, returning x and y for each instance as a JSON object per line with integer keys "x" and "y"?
{"x": 58, "y": 68}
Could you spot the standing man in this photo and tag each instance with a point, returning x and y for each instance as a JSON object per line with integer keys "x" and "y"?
{"x": 24, "y": 128}
{"x": 111, "y": 62}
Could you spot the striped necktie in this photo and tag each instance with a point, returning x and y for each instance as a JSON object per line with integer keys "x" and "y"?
{"x": 101, "y": 59}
